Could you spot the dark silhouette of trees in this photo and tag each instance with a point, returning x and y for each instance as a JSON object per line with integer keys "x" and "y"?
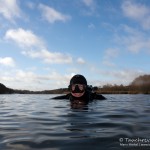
{"x": 141, "y": 84}
{"x": 5, "y": 90}
{"x": 113, "y": 89}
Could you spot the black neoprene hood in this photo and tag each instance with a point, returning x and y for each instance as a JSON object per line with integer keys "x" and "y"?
{"x": 78, "y": 79}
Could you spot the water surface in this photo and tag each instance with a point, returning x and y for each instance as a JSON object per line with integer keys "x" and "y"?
{"x": 39, "y": 122}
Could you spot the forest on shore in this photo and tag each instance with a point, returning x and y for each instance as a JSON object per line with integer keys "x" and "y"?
{"x": 140, "y": 85}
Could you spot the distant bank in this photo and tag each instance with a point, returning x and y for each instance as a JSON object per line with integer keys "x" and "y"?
{"x": 6, "y": 90}
{"x": 140, "y": 85}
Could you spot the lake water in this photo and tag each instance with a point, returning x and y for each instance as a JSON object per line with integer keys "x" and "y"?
{"x": 32, "y": 122}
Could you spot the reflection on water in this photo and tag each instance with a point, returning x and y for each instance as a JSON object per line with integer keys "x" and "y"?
{"x": 38, "y": 122}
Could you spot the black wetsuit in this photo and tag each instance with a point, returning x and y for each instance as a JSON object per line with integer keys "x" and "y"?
{"x": 88, "y": 96}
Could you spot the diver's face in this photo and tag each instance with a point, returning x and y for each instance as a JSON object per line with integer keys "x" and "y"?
{"x": 77, "y": 90}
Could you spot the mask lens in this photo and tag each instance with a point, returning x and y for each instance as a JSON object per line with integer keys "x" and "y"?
{"x": 81, "y": 86}
{"x": 73, "y": 87}
{"x": 77, "y": 86}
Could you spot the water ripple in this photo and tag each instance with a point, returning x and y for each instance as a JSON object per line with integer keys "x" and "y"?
{"x": 36, "y": 122}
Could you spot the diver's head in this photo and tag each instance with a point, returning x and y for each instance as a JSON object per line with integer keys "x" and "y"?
{"x": 78, "y": 85}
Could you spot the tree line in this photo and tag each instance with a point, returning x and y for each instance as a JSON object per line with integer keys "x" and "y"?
{"x": 139, "y": 85}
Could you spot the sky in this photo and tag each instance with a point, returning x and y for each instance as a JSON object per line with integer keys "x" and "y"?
{"x": 43, "y": 43}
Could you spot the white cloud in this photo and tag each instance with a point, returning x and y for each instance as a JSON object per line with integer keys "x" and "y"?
{"x": 91, "y": 7}
{"x": 110, "y": 54}
{"x": 133, "y": 40}
{"x": 28, "y": 80}
{"x": 7, "y": 61}
{"x": 135, "y": 44}
{"x": 133, "y": 10}
{"x": 52, "y": 15}
{"x": 49, "y": 57}
{"x": 31, "y": 5}
{"x": 27, "y": 76}
{"x": 24, "y": 38}
{"x": 138, "y": 12}
{"x": 124, "y": 76}
{"x": 91, "y": 26}
{"x": 10, "y": 9}
{"x": 108, "y": 63}
{"x": 80, "y": 61}
{"x": 34, "y": 46}
{"x": 73, "y": 69}
{"x": 88, "y": 3}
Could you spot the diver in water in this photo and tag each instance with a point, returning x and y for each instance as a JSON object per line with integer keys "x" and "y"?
{"x": 80, "y": 92}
